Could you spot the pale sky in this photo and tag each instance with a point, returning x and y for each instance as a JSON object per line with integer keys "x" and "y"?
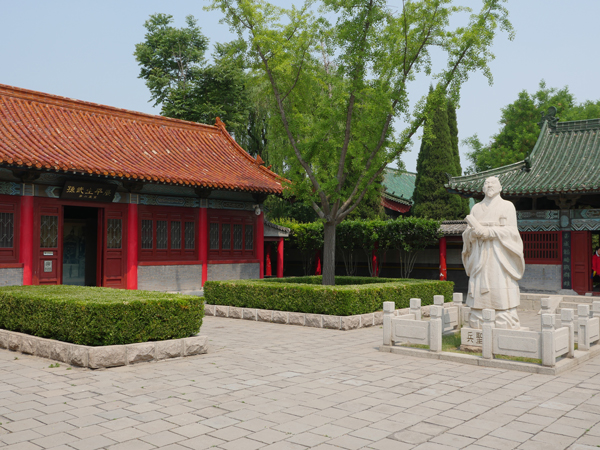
{"x": 84, "y": 50}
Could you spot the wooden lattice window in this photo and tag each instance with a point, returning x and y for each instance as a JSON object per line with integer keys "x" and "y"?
{"x": 9, "y": 229}
{"x": 542, "y": 247}
{"x": 167, "y": 234}
{"x": 231, "y": 234}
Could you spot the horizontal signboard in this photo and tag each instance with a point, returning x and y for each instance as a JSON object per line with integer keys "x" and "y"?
{"x": 81, "y": 190}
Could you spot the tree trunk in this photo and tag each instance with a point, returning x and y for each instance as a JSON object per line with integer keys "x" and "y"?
{"x": 329, "y": 254}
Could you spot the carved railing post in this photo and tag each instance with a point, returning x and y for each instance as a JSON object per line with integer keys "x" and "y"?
{"x": 438, "y": 300}
{"x": 388, "y": 313}
{"x": 415, "y": 307}
{"x": 595, "y": 309}
{"x": 545, "y": 305}
{"x": 457, "y": 300}
{"x": 435, "y": 328}
{"x": 548, "y": 343}
{"x": 567, "y": 318}
{"x": 583, "y": 333}
{"x": 489, "y": 316}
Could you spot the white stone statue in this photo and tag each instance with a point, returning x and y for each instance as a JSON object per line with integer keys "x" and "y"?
{"x": 493, "y": 258}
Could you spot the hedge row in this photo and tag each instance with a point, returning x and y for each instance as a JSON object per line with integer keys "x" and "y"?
{"x": 351, "y": 295}
{"x": 99, "y": 316}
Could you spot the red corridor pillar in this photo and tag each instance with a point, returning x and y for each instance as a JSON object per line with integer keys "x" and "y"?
{"x": 318, "y": 268}
{"x": 26, "y": 241}
{"x": 443, "y": 269}
{"x": 280, "y": 258}
{"x": 132, "y": 246}
{"x": 268, "y": 271}
{"x": 203, "y": 243}
{"x": 260, "y": 243}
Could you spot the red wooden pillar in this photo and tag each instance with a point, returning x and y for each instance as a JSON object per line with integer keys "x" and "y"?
{"x": 374, "y": 260}
{"x": 260, "y": 243}
{"x": 132, "y": 246}
{"x": 26, "y": 241}
{"x": 203, "y": 243}
{"x": 318, "y": 268}
{"x": 443, "y": 269}
{"x": 268, "y": 271}
{"x": 280, "y": 258}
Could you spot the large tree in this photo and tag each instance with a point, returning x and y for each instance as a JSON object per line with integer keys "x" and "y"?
{"x": 463, "y": 210}
{"x": 519, "y": 131}
{"x": 172, "y": 62}
{"x": 436, "y": 159}
{"x": 339, "y": 84}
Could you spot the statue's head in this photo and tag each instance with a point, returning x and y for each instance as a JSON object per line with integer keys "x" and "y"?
{"x": 492, "y": 187}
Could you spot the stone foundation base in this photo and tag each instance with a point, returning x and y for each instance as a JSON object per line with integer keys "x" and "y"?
{"x": 101, "y": 357}
{"x": 305, "y": 320}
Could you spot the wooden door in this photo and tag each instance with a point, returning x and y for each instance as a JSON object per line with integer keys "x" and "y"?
{"x": 47, "y": 245}
{"x": 114, "y": 254}
{"x": 581, "y": 256}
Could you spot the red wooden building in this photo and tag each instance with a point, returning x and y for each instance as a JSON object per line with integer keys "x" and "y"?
{"x": 100, "y": 196}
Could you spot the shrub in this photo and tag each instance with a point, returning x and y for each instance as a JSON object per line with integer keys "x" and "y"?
{"x": 99, "y": 316}
{"x": 351, "y": 295}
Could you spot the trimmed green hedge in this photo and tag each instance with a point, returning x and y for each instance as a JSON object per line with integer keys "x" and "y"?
{"x": 99, "y": 316}
{"x": 351, "y": 295}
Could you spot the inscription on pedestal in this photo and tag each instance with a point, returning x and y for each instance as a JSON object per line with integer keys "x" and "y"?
{"x": 471, "y": 337}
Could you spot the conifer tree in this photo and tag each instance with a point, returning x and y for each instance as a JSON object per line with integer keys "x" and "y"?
{"x": 453, "y": 126}
{"x": 436, "y": 159}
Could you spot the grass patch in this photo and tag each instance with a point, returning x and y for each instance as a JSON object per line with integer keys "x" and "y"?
{"x": 452, "y": 342}
{"x": 99, "y": 316}
{"x": 350, "y": 295}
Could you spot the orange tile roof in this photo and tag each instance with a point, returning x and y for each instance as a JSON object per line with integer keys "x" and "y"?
{"x": 48, "y": 132}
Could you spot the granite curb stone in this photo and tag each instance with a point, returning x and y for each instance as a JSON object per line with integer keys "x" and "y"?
{"x": 235, "y": 313}
{"x": 105, "y": 356}
{"x": 280, "y": 316}
{"x": 303, "y": 319}
{"x": 249, "y": 314}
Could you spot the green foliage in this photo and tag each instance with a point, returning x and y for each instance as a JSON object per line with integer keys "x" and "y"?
{"x": 172, "y": 64}
{"x": 437, "y": 158}
{"x": 519, "y": 130}
{"x": 282, "y": 209}
{"x": 306, "y": 237}
{"x": 409, "y": 236}
{"x": 348, "y": 238}
{"x": 99, "y": 316}
{"x": 453, "y": 127}
{"x": 340, "y": 78}
{"x": 352, "y": 295}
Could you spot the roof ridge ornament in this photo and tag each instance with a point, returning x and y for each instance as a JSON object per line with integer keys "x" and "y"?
{"x": 550, "y": 117}
{"x": 220, "y": 123}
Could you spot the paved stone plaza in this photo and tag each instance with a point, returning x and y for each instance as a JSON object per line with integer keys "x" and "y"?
{"x": 273, "y": 386}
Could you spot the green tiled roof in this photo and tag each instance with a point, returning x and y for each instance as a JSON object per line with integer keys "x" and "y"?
{"x": 399, "y": 185}
{"x": 565, "y": 159}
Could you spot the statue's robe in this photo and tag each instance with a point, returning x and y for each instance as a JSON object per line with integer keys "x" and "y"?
{"x": 494, "y": 264}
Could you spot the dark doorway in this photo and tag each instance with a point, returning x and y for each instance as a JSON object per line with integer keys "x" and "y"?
{"x": 80, "y": 246}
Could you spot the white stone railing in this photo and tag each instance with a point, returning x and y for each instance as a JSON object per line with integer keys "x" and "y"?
{"x": 410, "y": 329}
{"x": 547, "y": 345}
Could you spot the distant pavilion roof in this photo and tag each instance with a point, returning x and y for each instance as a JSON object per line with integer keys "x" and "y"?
{"x": 399, "y": 186}
{"x": 46, "y": 132}
{"x": 564, "y": 160}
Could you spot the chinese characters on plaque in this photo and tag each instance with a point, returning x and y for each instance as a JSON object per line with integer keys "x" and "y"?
{"x": 77, "y": 190}
{"x": 472, "y": 337}
{"x": 566, "y": 260}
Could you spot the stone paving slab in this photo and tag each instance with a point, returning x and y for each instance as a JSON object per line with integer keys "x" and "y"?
{"x": 271, "y": 386}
